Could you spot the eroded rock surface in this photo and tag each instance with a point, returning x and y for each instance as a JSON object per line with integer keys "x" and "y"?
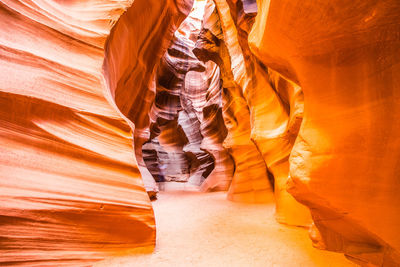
{"x": 333, "y": 153}
{"x": 133, "y": 52}
{"x": 268, "y": 106}
{"x": 283, "y": 96}
{"x": 250, "y": 181}
{"x": 187, "y": 129}
{"x": 344, "y": 165}
{"x": 70, "y": 187}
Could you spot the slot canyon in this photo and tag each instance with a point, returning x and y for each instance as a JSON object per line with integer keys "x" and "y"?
{"x": 200, "y": 133}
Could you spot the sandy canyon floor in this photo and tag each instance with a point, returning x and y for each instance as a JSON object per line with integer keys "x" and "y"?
{"x": 197, "y": 229}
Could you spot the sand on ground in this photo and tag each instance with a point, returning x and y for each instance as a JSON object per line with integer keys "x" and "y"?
{"x": 205, "y": 229}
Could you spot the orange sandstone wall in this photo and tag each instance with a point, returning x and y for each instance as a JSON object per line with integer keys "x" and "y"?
{"x": 345, "y": 163}
{"x": 339, "y": 63}
{"x": 70, "y": 189}
{"x": 133, "y": 52}
{"x": 274, "y": 106}
{"x": 250, "y": 180}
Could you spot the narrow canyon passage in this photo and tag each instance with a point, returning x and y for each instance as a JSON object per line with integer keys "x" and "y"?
{"x": 208, "y": 132}
{"x": 203, "y": 229}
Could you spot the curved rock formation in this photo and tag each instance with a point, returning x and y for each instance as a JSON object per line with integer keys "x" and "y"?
{"x": 345, "y": 160}
{"x": 70, "y": 188}
{"x": 250, "y": 181}
{"x": 131, "y": 60}
{"x": 174, "y": 119}
{"x": 273, "y": 105}
{"x": 214, "y": 132}
{"x": 295, "y": 96}
{"x": 187, "y": 129}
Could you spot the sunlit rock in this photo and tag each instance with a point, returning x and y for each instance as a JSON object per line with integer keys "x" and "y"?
{"x": 250, "y": 181}
{"x": 186, "y": 124}
{"x": 70, "y": 187}
{"x": 268, "y": 115}
{"x": 344, "y": 165}
{"x": 101, "y": 101}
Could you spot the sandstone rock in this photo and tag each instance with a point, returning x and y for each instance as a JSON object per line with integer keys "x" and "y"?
{"x": 250, "y": 181}
{"x": 131, "y": 59}
{"x": 70, "y": 187}
{"x": 299, "y": 96}
{"x": 344, "y": 163}
{"x": 268, "y": 115}
{"x": 187, "y": 129}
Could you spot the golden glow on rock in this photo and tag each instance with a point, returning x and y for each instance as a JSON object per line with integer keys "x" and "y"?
{"x": 295, "y": 102}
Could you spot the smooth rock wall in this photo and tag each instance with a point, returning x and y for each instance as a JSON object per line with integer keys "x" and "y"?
{"x": 214, "y": 132}
{"x": 250, "y": 180}
{"x": 70, "y": 188}
{"x": 344, "y": 165}
{"x": 305, "y": 93}
{"x": 268, "y": 133}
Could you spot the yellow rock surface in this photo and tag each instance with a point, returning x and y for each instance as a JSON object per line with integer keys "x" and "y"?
{"x": 344, "y": 165}
{"x": 269, "y": 116}
{"x": 293, "y": 99}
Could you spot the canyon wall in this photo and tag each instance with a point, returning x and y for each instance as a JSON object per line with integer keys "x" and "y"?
{"x": 273, "y": 97}
{"x": 344, "y": 165}
{"x": 132, "y": 56}
{"x": 187, "y": 128}
{"x": 250, "y": 180}
{"x": 71, "y": 190}
{"x": 339, "y": 63}
{"x": 270, "y": 110}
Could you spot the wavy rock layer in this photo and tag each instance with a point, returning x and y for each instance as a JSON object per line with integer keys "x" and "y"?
{"x": 70, "y": 187}
{"x": 250, "y": 180}
{"x": 344, "y": 165}
{"x": 268, "y": 106}
{"x": 300, "y": 87}
{"x": 330, "y": 154}
{"x": 187, "y": 128}
{"x": 131, "y": 60}
{"x": 174, "y": 120}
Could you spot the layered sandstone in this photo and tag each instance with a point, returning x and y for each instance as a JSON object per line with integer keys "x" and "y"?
{"x": 70, "y": 188}
{"x": 327, "y": 159}
{"x": 271, "y": 106}
{"x": 186, "y": 130}
{"x": 255, "y": 96}
{"x": 250, "y": 180}
{"x": 345, "y": 160}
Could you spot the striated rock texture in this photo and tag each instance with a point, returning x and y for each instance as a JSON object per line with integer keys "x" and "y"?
{"x": 130, "y": 66}
{"x": 250, "y": 181}
{"x": 330, "y": 156}
{"x": 174, "y": 119}
{"x": 187, "y": 129}
{"x": 70, "y": 187}
{"x": 301, "y": 95}
{"x": 270, "y": 106}
{"x": 344, "y": 165}
{"x": 215, "y": 132}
